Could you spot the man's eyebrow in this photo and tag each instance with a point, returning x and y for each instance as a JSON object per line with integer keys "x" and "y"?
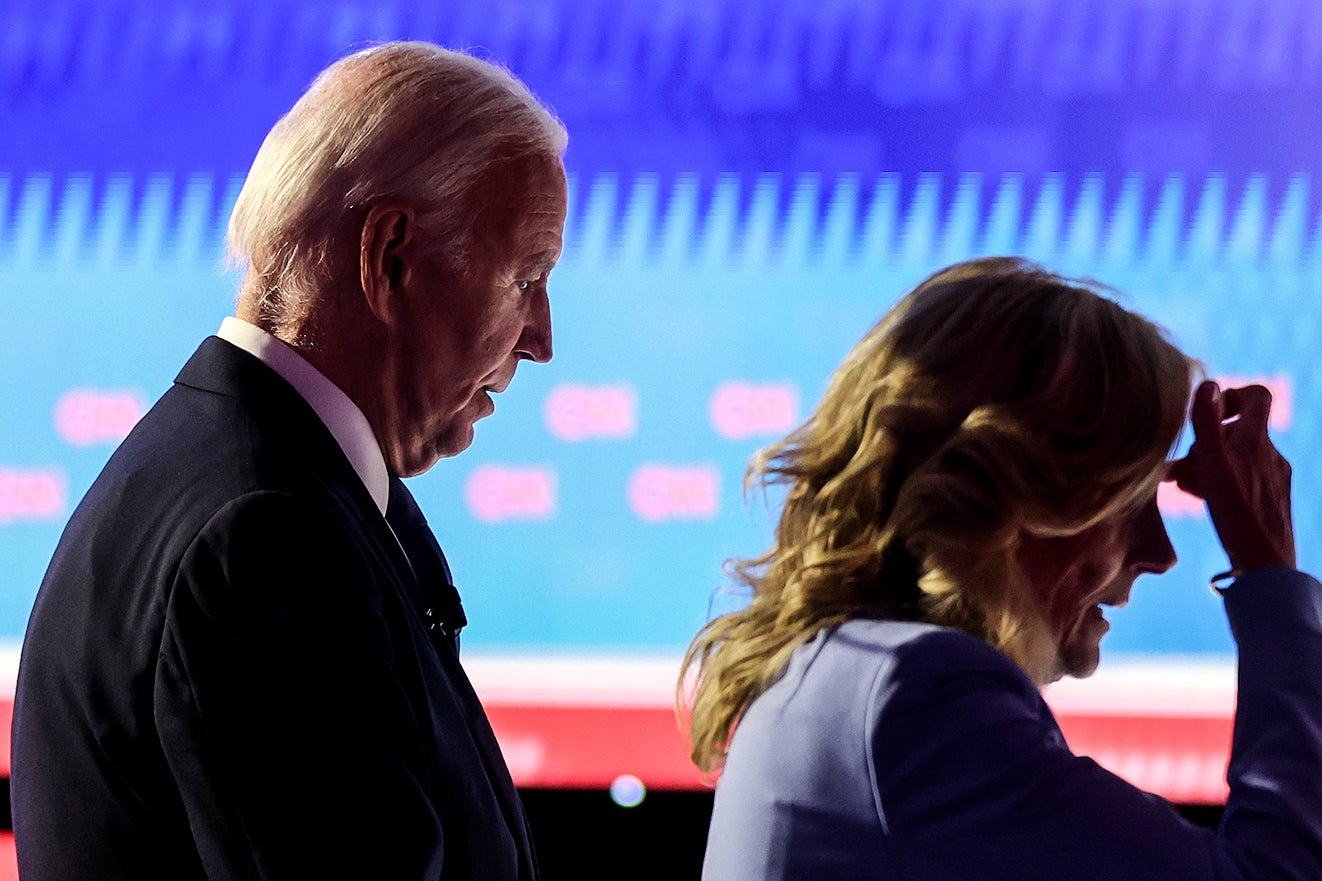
{"x": 543, "y": 259}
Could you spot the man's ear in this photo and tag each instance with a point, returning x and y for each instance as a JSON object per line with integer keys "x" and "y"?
{"x": 385, "y": 252}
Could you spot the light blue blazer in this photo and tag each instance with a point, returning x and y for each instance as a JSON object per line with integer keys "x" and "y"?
{"x": 893, "y": 750}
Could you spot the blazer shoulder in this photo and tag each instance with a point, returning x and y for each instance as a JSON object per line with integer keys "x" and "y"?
{"x": 918, "y": 649}
{"x": 902, "y": 666}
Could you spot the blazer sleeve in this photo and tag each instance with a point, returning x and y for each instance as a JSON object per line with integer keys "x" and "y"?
{"x": 282, "y": 718}
{"x": 973, "y": 779}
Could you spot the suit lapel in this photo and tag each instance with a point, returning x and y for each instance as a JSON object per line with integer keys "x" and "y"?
{"x": 443, "y": 614}
{"x": 440, "y": 604}
{"x": 222, "y": 368}
{"x": 414, "y": 562}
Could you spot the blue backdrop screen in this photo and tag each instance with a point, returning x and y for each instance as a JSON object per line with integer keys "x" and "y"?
{"x": 752, "y": 184}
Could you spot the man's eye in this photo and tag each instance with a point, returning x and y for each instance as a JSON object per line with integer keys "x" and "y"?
{"x": 524, "y": 285}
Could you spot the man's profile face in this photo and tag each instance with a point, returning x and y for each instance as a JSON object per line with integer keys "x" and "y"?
{"x": 465, "y": 331}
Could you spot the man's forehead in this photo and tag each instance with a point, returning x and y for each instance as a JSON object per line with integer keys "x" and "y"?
{"x": 519, "y": 211}
{"x": 519, "y": 180}
{"x": 529, "y": 190}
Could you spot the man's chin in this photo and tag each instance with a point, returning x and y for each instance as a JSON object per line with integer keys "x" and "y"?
{"x": 421, "y": 460}
{"x": 460, "y": 439}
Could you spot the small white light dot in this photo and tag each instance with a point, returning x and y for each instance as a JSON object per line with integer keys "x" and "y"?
{"x": 628, "y": 791}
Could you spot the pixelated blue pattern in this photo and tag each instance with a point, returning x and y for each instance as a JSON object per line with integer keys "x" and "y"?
{"x": 795, "y": 220}
{"x": 743, "y": 85}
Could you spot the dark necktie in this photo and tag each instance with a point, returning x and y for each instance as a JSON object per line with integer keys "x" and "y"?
{"x": 439, "y": 600}
{"x": 444, "y": 614}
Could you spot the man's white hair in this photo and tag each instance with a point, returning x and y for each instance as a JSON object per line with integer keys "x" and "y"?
{"x": 408, "y": 121}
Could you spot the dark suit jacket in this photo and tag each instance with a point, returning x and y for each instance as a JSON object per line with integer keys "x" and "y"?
{"x": 228, "y": 672}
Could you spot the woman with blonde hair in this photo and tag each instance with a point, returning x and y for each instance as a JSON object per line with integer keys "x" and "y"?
{"x": 977, "y": 485}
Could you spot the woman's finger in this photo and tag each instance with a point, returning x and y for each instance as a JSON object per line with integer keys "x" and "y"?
{"x": 1251, "y": 403}
{"x": 1207, "y": 414}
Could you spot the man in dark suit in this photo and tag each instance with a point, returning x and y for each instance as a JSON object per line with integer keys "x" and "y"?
{"x": 243, "y": 661}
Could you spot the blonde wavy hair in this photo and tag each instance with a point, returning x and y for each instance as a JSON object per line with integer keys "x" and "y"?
{"x": 995, "y": 400}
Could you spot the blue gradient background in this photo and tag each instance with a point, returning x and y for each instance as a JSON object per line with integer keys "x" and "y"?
{"x": 752, "y": 183}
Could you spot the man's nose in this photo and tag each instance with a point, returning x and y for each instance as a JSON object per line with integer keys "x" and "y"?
{"x": 535, "y": 343}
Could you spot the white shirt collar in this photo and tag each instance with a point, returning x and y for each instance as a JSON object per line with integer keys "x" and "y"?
{"x": 341, "y": 415}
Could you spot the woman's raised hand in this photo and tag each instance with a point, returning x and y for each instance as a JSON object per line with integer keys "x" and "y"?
{"x": 1235, "y": 468}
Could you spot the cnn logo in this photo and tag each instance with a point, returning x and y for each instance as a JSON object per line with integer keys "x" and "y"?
{"x": 32, "y": 494}
{"x": 84, "y": 417}
{"x": 586, "y": 412}
{"x": 667, "y": 492}
{"x": 495, "y": 493}
{"x": 740, "y": 410}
